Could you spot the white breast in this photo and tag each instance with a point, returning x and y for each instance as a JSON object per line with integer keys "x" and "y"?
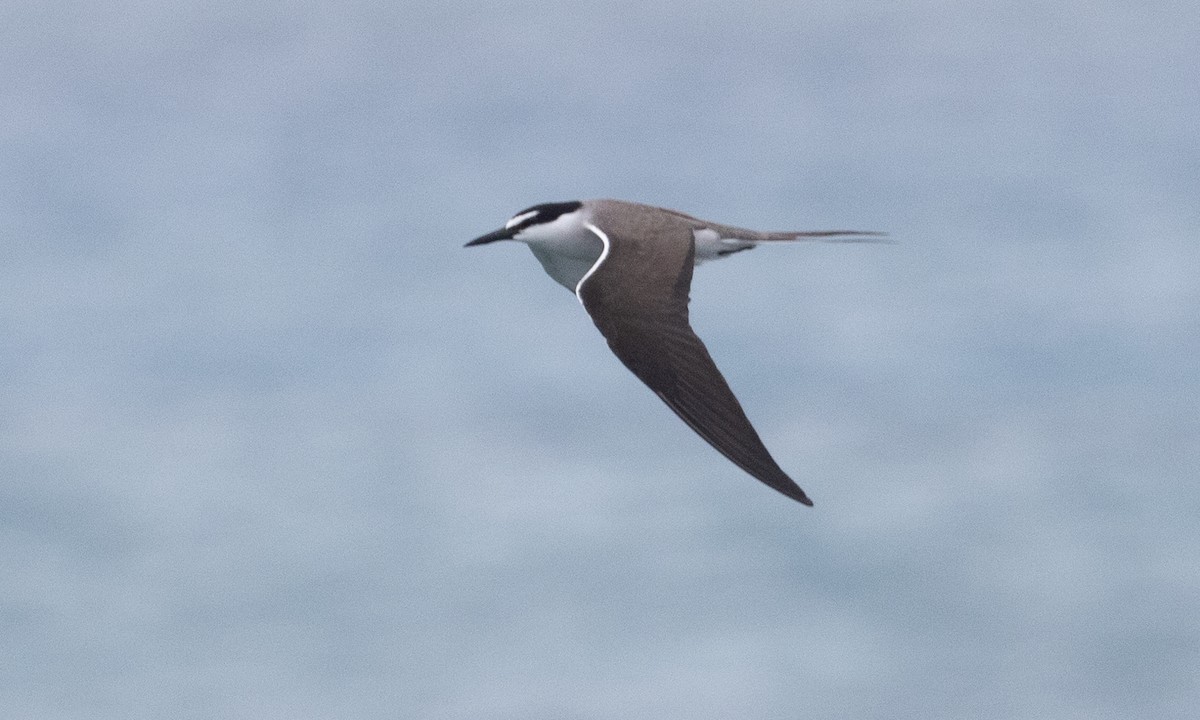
{"x": 566, "y": 249}
{"x": 567, "y": 270}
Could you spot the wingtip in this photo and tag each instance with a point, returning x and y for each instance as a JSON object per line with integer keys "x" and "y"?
{"x": 795, "y": 493}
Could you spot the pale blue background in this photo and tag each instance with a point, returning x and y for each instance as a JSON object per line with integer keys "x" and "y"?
{"x": 273, "y": 445}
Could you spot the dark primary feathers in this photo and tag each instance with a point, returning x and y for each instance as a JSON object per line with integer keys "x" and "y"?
{"x": 638, "y": 298}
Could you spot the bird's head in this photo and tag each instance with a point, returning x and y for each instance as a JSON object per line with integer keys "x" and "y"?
{"x": 535, "y": 223}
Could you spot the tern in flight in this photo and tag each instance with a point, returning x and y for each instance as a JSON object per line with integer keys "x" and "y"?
{"x": 630, "y": 265}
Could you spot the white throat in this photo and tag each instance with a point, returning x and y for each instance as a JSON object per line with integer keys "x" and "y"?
{"x": 565, "y": 247}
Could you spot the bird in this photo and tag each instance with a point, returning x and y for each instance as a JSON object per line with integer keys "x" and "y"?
{"x": 630, "y": 266}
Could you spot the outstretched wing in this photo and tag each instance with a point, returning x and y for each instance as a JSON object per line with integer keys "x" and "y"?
{"x": 637, "y": 294}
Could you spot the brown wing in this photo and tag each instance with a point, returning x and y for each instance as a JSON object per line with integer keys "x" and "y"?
{"x": 638, "y": 297}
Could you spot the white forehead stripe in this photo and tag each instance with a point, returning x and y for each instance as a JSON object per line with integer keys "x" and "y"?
{"x": 519, "y": 219}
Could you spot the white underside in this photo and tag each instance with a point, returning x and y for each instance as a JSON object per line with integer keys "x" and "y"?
{"x": 565, "y": 269}
{"x": 569, "y": 256}
{"x": 570, "y": 250}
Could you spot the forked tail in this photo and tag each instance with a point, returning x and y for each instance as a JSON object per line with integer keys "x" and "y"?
{"x": 838, "y": 236}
